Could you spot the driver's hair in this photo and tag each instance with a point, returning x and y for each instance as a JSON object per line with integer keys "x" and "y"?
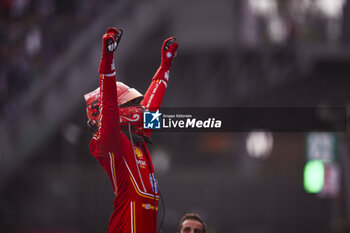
{"x": 192, "y": 216}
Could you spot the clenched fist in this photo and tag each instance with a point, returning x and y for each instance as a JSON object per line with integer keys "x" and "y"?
{"x": 168, "y": 52}
{"x": 110, "y": 42}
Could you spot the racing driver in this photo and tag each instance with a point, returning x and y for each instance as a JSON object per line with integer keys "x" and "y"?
{"x": 120, "y": 143}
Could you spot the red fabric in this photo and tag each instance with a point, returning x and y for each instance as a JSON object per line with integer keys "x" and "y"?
{"x": 136, "y": 202}
{"x": 106, "y": 66}
{"x": 107, "y": 57}
{"x": 155, "y": 93}
{"x": 127, "y": 162}
{"x": 168, "y": 53}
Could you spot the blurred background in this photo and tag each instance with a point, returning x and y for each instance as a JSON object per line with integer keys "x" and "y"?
{"x": 238, "y": 53}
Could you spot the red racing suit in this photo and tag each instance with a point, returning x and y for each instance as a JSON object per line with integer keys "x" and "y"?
{"x": 126, "y": 161}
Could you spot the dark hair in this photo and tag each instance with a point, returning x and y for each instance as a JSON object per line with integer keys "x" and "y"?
{"x": 192, "y": 217}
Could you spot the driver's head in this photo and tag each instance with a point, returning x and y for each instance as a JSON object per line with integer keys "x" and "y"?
{"x": 129, "y": 101}
{"x": 192, "y": 223}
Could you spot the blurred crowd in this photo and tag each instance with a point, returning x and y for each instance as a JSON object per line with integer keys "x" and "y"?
{"x": 33, "y": 35}
{"x": 35, "y": 32}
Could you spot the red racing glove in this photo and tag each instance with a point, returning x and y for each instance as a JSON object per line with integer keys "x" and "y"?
{"x": 110, "y": 42}
{"x": 168, "y": 53}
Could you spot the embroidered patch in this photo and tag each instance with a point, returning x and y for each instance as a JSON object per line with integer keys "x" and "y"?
{"x": 138, "y": 152}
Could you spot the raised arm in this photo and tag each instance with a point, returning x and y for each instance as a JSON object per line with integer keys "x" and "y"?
{"x": 108, "y": 134}
{"x": 155, "y": 93}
